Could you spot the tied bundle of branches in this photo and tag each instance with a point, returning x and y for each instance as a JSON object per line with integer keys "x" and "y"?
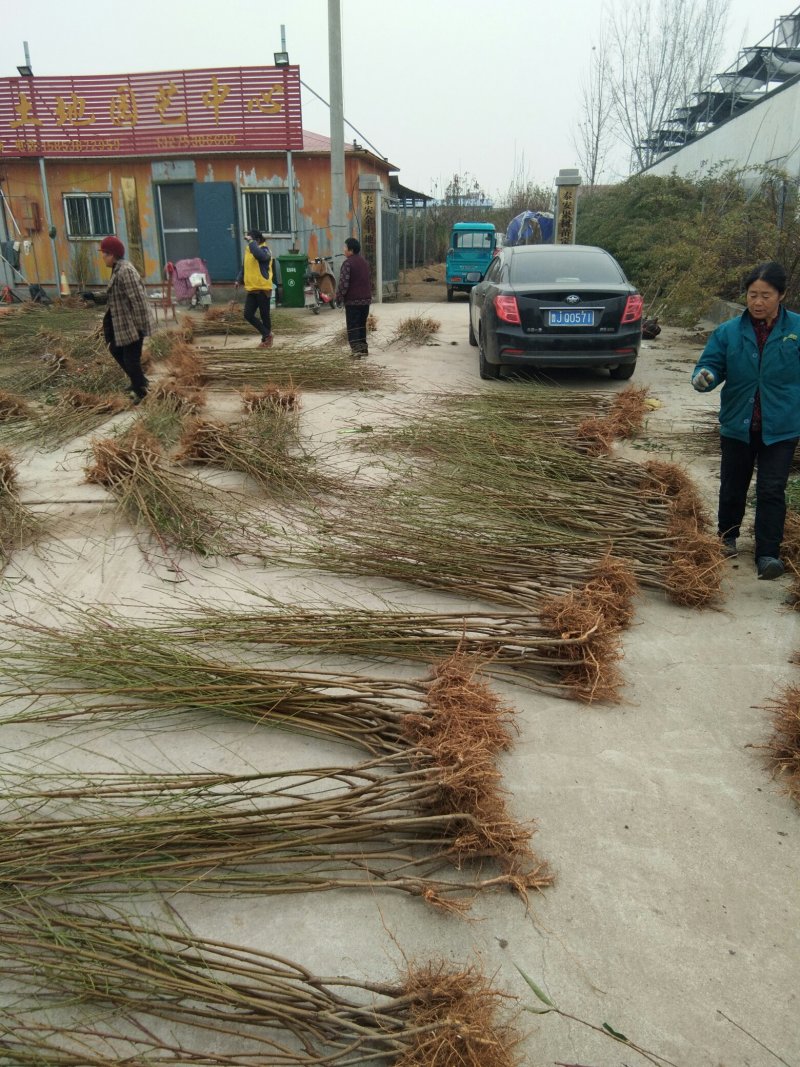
{"x": 413, "y": 538}
{"x": 23, "y": 329}
{"x": 179, "y": 512}
{"x": 75, "y": 413}
{"x": 228, "y": 320}
{"x": 451, "y": 725}
{"x": 550, "y": 496}
{"x": 569, "y": 650}
{"x": 374, "y": 826}
{"x": 340, "y": 338}
{"x": 185, "y": 367}
{"x": 245, "y": 1005}
{"x": 270, "y": 398}
{"x": 14, "y": 407}
{"x": 159, "y": 344}
{"x": 516, "y": 424}
{"x": 293, "y": 366}
{"x": 790, "y": 550}
{"x": 265, "y": 446}
{"x": 623, "y": 421}
{"x": 60, "y": 362}
{"x": 693, "y": 576}
{"x": 783, "y": 746}
{"x": 168, "y": 407}
{"x": 416, "y": 330}
{"x": 18, "y": 527}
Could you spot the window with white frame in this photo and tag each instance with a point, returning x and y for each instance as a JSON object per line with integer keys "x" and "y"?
{"x": 267, "y": 211}
{"x": 89, "y": 214}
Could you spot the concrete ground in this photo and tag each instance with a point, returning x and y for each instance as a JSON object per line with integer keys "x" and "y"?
{"x": 676, "y": 910}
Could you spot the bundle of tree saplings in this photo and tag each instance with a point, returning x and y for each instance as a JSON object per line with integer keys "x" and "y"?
{"x": 783, "y": 746}
{"x": 169, "y": 406}
{"x": 625, "y": 419}
{"x": 73, "y": 413}
{"x": 340, "y": 337}
{"x": 549, "y": 495}
{"x": 412, "y": 538}
{"x": 18, "y": 525}
{"x": 415, "y": 330}
{"x": 379, "y": 825}
{"x": 265, "y": 445}
{"x": 178, "y": 511}
{"x": 570, "y": 649}
{"x": 26, "y": 329}
{"x": 227, "y": 319}
{"x": 304, "y": 366}
{"x": 60, "y": 360}
{"x": 450, "y": 725}
{"x": 227, "y": 1004}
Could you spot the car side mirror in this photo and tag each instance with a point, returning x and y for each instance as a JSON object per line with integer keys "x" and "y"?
{"x": 449, "y": 251}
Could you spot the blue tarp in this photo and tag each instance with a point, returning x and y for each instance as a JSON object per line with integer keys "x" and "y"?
{"x": 521, "y": 231}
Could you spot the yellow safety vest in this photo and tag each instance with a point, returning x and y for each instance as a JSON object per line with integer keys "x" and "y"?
{"x": 253, "y": 278}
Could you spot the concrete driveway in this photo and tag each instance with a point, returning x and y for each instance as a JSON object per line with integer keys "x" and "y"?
{"x": 675, "y": 917}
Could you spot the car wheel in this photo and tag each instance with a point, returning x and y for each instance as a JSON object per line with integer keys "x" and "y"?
{"x": 622, "y": 372}
{"x": 473, "y": 340}
{"x": 449, "y": 294}
{"x": 488, "y": 371}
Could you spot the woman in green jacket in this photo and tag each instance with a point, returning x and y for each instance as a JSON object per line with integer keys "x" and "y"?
{"x": 757, "y": 357}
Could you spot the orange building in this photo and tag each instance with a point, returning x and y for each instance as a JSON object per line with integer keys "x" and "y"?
{"x": 177, "y": 164}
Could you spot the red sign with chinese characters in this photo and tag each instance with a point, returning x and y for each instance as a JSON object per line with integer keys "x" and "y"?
{"x": 184, "y": 112}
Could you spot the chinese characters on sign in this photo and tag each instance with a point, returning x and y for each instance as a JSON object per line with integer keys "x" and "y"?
{"x": 248, "y": 108}
{"x": 566, "y": 215}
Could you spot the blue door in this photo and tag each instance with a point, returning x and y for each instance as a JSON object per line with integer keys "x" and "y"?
{"x": 218, "y": 229}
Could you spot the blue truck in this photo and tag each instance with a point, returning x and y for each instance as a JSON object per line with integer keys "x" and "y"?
{"x": 472, "y": 246}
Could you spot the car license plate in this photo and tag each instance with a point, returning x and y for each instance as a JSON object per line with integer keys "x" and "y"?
{"x": 474, "y": 276}
{"x": 563, "y": 317}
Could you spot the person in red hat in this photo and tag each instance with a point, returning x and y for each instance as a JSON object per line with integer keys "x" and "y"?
{"x": 129, "y": 318}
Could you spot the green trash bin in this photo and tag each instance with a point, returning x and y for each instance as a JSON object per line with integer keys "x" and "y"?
{"x": 293, "y": 278}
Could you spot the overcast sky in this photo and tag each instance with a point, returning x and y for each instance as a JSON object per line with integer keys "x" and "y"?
{"x": 487, "y": 88}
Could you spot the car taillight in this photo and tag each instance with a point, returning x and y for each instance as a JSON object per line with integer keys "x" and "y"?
{"x": 633, "y": 309}
{"x": 507, "y": 310}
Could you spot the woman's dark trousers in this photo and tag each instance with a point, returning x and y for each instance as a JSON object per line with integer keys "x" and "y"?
{"x": 773, "y": 462}
{"x": 259, "y": 300}
{"x": 129, "y": 358}
{"x": 356, "y": 316}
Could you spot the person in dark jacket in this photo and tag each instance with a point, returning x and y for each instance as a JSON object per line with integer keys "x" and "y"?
{"x": 257, "y": 276}
{"x": 355, "y": 292}
{"x": 757, "y": 356}
{"x": 129, "y": 318}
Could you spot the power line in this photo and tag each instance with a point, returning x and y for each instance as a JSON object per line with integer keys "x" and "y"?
{"x": 350, "y": 124}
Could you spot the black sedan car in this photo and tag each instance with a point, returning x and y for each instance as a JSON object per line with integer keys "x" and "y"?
{"x": 555, "y": 306}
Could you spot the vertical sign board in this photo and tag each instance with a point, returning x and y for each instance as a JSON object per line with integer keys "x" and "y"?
{"x": 567, "y": 184}
{"x": 184, "y": 112}
{"x": 369, "y": 235}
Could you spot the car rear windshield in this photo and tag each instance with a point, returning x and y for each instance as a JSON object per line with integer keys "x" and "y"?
{"x": 568, "y": 267}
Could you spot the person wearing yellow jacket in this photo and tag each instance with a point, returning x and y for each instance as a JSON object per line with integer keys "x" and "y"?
{"x": 257, "y": 275}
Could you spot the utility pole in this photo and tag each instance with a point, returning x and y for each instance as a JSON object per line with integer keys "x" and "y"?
{"x": 339, "y": 227}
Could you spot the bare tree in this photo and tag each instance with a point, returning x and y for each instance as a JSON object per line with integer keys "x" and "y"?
{"x": 592, "y": 140}
{"x": 662, "y": 52}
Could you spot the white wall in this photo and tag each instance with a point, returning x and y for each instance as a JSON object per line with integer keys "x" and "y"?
{"x": 768, "y": 132}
